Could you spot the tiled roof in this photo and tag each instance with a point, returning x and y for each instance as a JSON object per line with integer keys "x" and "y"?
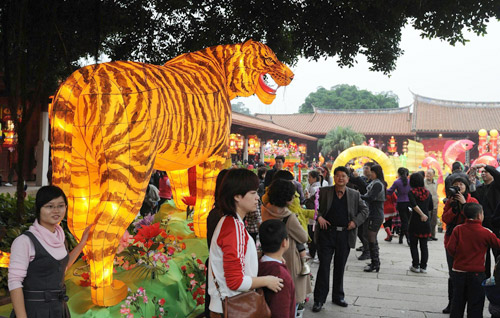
{"x": 395, "y": 121}
{"x": 434, "y": 115}
{"x": 266, "y": 125}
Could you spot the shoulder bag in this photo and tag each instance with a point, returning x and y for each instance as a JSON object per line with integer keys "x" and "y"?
{"x": 250, "y": 304}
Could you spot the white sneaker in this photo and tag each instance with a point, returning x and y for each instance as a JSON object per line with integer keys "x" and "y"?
{"x": 415, "y": 269}
{"x": 8, "y": 184}
{"x": 423, "y": 271}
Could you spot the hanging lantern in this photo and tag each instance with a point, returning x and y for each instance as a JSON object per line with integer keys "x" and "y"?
{"x": 232, "y": 143}
{"x": 240, "y": 141}
{"x": 405, "y": 147}
{"x": 392, "y": 145}
{"x": 482, "y": 146}
{"x": 493, "y": 142}
{"x": 253, "y": 145}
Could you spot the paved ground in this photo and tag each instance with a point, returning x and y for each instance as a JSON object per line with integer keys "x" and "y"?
{"x": 394, "y": 291}
{"x": 32, "y": 188}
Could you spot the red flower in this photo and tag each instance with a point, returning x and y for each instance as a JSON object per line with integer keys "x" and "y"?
{"x": 147, "y": 232}
{"x": 200, "y": 301}
{"x": 199, "y": 261}
{"x": 191, "y": 201}
{"x": 170, "y": 251}
{"x": 86, "y": 276}
{"x": 84, "y": 283}
{"x": 161, "y": 302}
{"x": 182, "y": 245}
{"x": 183, "y": 267}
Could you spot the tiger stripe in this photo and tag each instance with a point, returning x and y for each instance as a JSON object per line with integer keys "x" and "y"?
{"x": 113, "y": 123}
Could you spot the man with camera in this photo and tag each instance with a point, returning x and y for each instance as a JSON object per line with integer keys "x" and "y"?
{"x": 457, "y": 195}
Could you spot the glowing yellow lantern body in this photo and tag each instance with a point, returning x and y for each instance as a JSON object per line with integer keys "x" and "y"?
{"x": 113, "y": 123}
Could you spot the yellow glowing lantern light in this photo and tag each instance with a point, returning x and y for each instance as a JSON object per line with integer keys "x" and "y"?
{"x": 4, "y": 259}
{"x": 113, "y": 123}
{"x": 303, "y": 149}
{"x": 241, "y": 141}
{"x": 233, "y": 139}
{"x": 253, "y": 145}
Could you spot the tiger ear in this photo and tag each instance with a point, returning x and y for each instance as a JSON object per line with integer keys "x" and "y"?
{"x": 246, "y": 44}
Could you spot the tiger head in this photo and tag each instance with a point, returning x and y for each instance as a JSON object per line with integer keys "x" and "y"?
{"x": 247, "y": 68}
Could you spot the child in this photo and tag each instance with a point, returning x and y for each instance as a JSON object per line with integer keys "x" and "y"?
{"x": 468, "y": 244}
{"x": 274, "y": 242}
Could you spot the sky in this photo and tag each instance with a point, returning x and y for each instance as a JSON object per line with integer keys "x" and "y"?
{"x": 430, "y": 68}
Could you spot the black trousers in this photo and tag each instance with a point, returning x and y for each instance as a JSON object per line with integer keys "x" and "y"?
{"x": 311, "y": 245}
{"x": 467, "y": 289}
{"x": 449, "y": 260}
{"x": 404, "y": 215}
{"x": 330, "y": 244}
{"x": 417, "y": 261}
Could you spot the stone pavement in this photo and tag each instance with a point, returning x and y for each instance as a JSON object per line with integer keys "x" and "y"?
{"x": 395, "y": 291}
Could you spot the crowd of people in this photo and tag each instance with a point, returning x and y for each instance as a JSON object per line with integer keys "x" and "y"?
{"x": 265, "y": 227}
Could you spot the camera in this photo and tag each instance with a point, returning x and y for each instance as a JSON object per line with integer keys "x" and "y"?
{"x": 453, "y": 190}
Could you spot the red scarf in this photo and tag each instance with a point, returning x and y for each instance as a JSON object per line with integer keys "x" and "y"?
{"x": 420, "y": 193}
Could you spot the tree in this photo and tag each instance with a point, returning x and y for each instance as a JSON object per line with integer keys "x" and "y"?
{"x": 41, "y": 41}
{"x": 348, "y": 97}
{"x": 240, "y": 108}
{"x": 338, "y": 140}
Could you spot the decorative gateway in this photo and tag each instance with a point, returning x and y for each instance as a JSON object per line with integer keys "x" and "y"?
{"x": 113, "y": 123}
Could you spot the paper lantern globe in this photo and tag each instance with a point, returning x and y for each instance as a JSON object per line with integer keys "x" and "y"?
{"x": 113, "y": 123}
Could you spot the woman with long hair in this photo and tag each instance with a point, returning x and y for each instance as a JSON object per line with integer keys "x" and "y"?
{"x": 402, "y": 187}
{"x": 419, "y": 229}
{"x": 375, "y": 197}
{"x": 39, "y": 260}
{"x": 233, "y": 255}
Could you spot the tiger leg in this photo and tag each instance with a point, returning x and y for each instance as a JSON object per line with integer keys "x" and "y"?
{"x": 180, "y": 187}
{"x": 206, "y": 175}
{"x": 123, "y": 184}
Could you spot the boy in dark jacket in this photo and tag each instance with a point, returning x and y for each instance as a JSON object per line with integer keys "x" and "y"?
{"x": 274, "y": 242}
{"x": 468, "y": 245}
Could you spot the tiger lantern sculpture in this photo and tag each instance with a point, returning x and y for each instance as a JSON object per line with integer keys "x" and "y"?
{"x": 113, "y": 123}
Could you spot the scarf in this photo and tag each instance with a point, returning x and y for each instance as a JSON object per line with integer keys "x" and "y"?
{"x": 421, "y": 193}
{"x": 54, "y": 240}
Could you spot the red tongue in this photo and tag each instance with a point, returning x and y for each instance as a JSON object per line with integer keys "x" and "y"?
{"x": 264, "y": 86}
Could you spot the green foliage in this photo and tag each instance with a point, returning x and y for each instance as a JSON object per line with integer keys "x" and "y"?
{"x": 348, "y": 97}
{"x": 240, "y": 108}
{"x": 338, "y": 140}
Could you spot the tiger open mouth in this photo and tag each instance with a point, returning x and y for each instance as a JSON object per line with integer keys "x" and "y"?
{"x": 264, "y": 80}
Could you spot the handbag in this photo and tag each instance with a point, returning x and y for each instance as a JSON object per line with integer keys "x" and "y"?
{"x": 250, "y": 304}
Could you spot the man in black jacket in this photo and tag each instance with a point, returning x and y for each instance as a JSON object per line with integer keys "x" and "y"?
{"x": 488, "y": 195}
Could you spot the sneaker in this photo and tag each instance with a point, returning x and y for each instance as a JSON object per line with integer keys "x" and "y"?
{"x": 316, "y": 259}
{"x": 415, "y": 269}
{"x": 423, "y": 271}
{"x": 8, "y": 184}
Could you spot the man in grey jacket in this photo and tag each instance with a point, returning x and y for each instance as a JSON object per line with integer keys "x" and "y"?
{"x": 341, "y": 211}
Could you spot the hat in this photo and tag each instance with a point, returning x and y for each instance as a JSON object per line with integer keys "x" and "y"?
{"x": 465, "y": 181}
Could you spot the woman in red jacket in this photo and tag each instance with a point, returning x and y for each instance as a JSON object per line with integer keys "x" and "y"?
{"x": 453, "y": 215}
